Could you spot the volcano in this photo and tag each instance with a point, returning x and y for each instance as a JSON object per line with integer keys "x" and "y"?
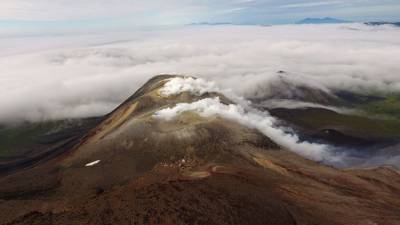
{"x": 156, "y": 159}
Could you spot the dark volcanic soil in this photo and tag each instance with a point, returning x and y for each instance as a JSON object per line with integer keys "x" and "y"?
{"x": 191, "y": 170}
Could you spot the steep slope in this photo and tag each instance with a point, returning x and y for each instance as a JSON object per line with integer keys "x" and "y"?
{"x": 143, "y": 165}
{"x": 27, "y": 144}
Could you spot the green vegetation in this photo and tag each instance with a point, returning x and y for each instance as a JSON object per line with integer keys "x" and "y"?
{"x": 15, "y": 139}
{"x": 388, "y": 107}
{"x": 317, "y": 119}
{"x": 374, "y": 104}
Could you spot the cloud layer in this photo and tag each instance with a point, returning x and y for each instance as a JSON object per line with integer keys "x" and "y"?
{"x": 92, "y": 79}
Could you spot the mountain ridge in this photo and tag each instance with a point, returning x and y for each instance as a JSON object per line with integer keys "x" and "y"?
{"x": 325, "y": 20}
{"x": 137, "y": 167}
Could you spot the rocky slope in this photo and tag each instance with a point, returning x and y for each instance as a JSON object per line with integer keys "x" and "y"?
{"x": 133, "y": 167}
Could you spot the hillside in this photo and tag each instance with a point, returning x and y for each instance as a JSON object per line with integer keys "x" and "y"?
{"x": 178, "y": 151}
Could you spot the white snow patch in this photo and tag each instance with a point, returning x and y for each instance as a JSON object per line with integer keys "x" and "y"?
{"x": 92, "y": 163}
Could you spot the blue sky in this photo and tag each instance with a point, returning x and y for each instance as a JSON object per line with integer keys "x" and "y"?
{"x": 24, "y": 14}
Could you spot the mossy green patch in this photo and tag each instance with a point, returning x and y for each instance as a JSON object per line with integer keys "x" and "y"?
{"x": 388, "y": 107}
{"x": 374, "y": 104}
{"x": 317, "y": 119}
{"x": 14, "y": 139}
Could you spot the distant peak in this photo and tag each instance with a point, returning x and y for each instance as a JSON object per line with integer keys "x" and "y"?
{"x": 397, "y": 24}
{"x": 325, "y": 20}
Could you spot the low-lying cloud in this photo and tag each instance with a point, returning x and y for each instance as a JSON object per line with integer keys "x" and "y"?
{"x": 242, "y": 114}
{"x": 90, "y": 80}
{"x": 188, "y": 84}
{"x": 293, "y": 104}
{"x": 261, "y": 121}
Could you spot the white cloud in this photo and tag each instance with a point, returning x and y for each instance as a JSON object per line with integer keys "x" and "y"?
{"x": 293, "y": 104}
{"x": 188, "y": 84}
{"x": 91, "y": 79}
{"x": 242, "y": 114}
{"x": 311, "y": 4}
{"x": 62, "y": 9}
{"x": 144, "y": 12}
{"x": 261, "y": 121}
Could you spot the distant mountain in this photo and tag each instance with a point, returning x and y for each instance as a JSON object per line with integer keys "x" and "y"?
{"x": 397, "y": 24}
{"x": 326, "y": 20}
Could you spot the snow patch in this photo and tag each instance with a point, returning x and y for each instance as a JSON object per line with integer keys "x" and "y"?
{"x": 92, "y": 163}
